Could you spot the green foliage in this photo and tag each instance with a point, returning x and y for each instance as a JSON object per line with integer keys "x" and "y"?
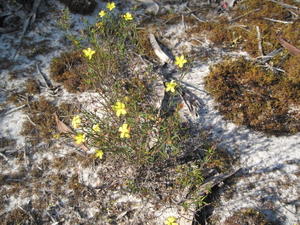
{"x": 64, "y": 22}
{"x": 127, "y": 126}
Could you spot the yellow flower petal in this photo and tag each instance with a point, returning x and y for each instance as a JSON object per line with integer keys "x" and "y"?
{"x": 76, "y": 122}
{"x": 180, "y": 61}
{"x": 128, "y": 16}
{"x": 171, "y": 220}
{"x": 56, "y": 136}
{"x": 124, "y": 131}
{"x": 96, "y": 128}
{"x": 119, "y": 108}
{"x": 170, "y": 86}
{"x": 102, "y": 13}
{"x": 110, "y": 6}
{"x": 99, "y": 154}
{"x": 88, "y": 53}
{"x": 99, "y": 25}
{"x": 79, "y": 138}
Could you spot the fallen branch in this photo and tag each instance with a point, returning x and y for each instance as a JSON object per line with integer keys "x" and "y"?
{"x": 1, "y": 154}
{"x": 30, "y": 121}
{"x": 278, "y": 21}
{"x": 46, "y": 81}
{"x": 285, "y": 5}
{"x": 259, "y": 41}
{"x": 29, "y": 21}
{"x": 246, "y": 14}
{"x": 266, "y": 58}
{"x": 61, "y": 126}
{"x": 292, "y": 49}
{"x": 272, "y": 68}
{"x": 193, "y": 15}
{"x": 214, "y": 181}
{"x": 158, "y": 51}
{"x": 14, "y": 109}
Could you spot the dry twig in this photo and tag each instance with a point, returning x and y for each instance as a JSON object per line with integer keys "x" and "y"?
{"x": 158, "y": 51}
{"x": 278, "y": 21}
{"x": 246, "y": 14}
{"x": 288, "y": 6}
{"x": 14, "y": 109}
{"x": 259, "y": 41}
{"x": 292, "y": 49}
{"x": 29, "y": 21}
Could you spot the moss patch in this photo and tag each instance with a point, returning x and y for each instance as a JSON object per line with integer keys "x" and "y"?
{"x": 32, "y": 87}
{"x": 250, "y": 95}
{"x": 6, "y": 142}
{"x": 42, "y": 126}
{"x": 247, "y": 216}
{"x": 69, "y": 69}
{"x": 240, "y": 32}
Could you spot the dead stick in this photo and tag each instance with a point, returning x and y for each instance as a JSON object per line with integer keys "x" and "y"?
{"x": 259, "y": 41}
{"x": 246, "y": 14}
{"x": 29, "y": 21}
{"x": 285, "y": 5}
{"x": 14, "y": 109}
{"x": 278, "y": 21}
{"x": 47, "y": 82}
{"x": 158, "y": 51}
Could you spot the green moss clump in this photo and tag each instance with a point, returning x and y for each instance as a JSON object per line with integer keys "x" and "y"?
{"x": 249, "y": 95}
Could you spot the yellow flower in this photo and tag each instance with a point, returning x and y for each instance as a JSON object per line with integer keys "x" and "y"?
{"x": 124, "y": 131}
{"x": 76, "y": 121}
{"x": 56, "y": 136}
{"x": 88, "y": 53}
{"x": 96, "y": 128}
{"x": 128, "y": 16}
{"x": 102, "y": 13}
{"x": 79, "y": 138}
{"x": 111, "y": 6}
{"x": 171, "y": 220}
{"x": 99, "y": 25}
{"x": 119, "y": 107}
{"x": 170, "y": 86}
{"x": 180, "y": 61}
{"x": 99, "y": 154}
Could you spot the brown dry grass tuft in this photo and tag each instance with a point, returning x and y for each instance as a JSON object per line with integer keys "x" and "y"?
{"x": 242, "y": 34}
{"x": 250, "y": 95}
{"x": 42, "y": 126}
{"x": 247, "y": 216}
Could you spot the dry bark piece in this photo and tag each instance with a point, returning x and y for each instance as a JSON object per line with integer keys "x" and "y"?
{"x": 83, "y": 147}
{"x": 158, "y": 51}
{"x": 292, "y": 49}
{"x": 61, "y": 126}
{"x": 215, "y": 180}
